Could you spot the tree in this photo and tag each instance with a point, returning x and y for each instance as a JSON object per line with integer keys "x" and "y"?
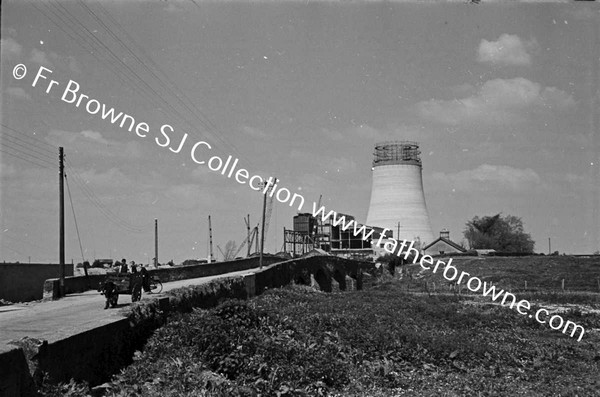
{"x": 505, "y": 234}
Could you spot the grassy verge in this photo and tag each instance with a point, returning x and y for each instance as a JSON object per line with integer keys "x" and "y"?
{"x": 382, "y": 342}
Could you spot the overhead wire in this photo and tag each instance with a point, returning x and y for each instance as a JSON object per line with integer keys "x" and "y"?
{"x": 96, "y": 202}
{"x": 175, "y": 91}
{"x": 14, "y": 141}
{"x": 138, "y": 83}
{"x": 32, "y": 141}
{"x": 78, "y": 179}
{"x": 32, "y": 159}
{"x": 74, "y": 218}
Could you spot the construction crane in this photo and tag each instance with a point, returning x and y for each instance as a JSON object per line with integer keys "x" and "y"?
{"x": 249, "y": 240}
{"x": 221, "y": 252}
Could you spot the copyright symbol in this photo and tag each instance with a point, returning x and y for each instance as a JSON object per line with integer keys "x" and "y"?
{"x": 19, "y": 71}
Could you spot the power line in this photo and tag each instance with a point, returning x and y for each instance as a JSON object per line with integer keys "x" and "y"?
{"x": 24, "y": 159}
{"x": 15, "y": 141}
{"x": 27, "y": 153}
{"x": 36, "y": 142}
{"x": 75, "y": 219}
{"x": 91, "y": 196}
{"x": 154, "y": 94}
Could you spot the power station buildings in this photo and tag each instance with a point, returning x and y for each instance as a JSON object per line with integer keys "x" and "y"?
{"x": 397, "y": 203}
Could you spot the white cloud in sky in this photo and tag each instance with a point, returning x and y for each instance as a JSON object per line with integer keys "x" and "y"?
{"x": 507, "y": 50}
{"x": 40, "y": 57}
{"x": 486, "y": 177}
{"x": 497, "y": 101}
{"x": 96, "y": 136}
{"x": 10, "y": 49}
{"x": 112, "y": 178}
{"x": 7, "y": 170}
{"x": 94, "y": 144}
{"x": 254, "y": 132}
{"x": 18, "y": 92}
{"x": 188, "y": 196}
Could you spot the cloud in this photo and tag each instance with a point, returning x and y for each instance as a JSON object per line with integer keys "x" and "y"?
{"x": 507, "y": 50}
{"x": 112, "y": 178}
{"x": 40, "y": 57}
{"x": 7, "y": 170}
{"x": 340, "y": 164}
{"x": 74, "y": 65}
{"x": 93, "y": 143}
{"x": 497, "y": 101}
{"x": 96, "y": 136}
{"x": 334, "y": 135}
{"x": 488, "y": 176}
{"x": 18, "y": 92}
{"x": 254, "y": 132}
{"x": 10, "y": 49}
{"x": 187, "y": 196}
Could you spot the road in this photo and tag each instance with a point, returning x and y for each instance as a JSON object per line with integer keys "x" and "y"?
{"x": 75, "y": 313}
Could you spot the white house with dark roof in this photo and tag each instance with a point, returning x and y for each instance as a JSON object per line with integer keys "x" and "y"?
{"x": 443, "y": 245}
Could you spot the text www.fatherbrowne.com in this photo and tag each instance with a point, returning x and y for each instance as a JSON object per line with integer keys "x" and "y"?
{"x": 451, "y": 273}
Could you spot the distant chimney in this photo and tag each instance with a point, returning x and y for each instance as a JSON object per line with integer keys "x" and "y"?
{"x": 445, "y": 233}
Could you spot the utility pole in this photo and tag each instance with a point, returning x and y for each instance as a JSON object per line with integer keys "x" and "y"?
{"x": 398, "y": 230}
{"x": 155, "y": 243}
{"x": 61, "y": 227}
{"x": 210, "y": 258}
{"x": 248, "y": 229}
{"x": 549, "y": 246}
{"x": 262, "y": 232}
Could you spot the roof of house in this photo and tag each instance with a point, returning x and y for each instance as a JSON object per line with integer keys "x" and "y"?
{"x": 447, "y": 241}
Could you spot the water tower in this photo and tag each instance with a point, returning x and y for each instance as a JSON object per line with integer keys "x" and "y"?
{"x": 397, "y": 195}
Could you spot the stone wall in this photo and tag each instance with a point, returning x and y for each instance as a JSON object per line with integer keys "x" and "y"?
{"x": 82, "y": 283}
{"x": 23, "y": 282}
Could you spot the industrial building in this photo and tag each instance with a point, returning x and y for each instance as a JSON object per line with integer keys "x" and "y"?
{"x": 309, "y": 234}
{"x": 397, "y": 196}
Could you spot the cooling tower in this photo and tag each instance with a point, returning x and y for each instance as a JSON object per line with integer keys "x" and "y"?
{"x": 397, "y": 192}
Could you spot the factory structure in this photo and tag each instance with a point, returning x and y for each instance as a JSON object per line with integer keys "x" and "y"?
{"x": 397, "y": 204}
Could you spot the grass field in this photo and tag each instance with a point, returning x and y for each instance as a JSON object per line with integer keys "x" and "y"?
{"x": 543, "y": 273}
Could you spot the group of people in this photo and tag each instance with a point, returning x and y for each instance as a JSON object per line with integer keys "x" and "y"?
{"x": 143, "y": 272}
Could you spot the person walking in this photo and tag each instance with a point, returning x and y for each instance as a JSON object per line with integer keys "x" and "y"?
{"x": 145, "y": 279}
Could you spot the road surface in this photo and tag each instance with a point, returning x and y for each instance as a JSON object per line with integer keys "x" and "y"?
{"x": 75, "y": 313}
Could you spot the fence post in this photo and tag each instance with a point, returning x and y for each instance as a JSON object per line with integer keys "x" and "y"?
{"x": 563, "y": 284}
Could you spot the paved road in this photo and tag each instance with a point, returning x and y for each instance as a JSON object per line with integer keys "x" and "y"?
{"x": 75, "y": 313}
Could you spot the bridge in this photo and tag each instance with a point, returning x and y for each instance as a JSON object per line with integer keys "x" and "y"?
{"x": 73, "y": 337}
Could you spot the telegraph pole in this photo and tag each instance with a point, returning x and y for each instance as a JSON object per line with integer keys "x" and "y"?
{"x": 61, "y": 219}
{"x": 549, "y": 246}
{"x": 248, "y": 229}
{"x": 155, "y": 243}
{"x": 210, "y": 258}
{"x": 262, "y": 229}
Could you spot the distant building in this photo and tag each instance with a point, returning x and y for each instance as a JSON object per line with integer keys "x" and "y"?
{"x": 443, "y": 245}
{"x": 311, "y": 235}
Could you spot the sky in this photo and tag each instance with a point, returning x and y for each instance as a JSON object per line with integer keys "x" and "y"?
{"x": 502, "y": 98}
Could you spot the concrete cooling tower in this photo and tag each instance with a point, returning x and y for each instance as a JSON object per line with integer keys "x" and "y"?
{"x": 397, "y": 192}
